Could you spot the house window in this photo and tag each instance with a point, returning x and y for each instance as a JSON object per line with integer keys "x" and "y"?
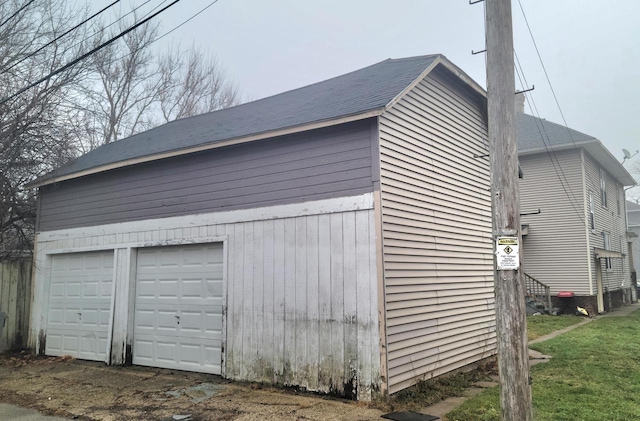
{"x": 607, "y": 246}
{"x": 592, "y": 213}
{"x": 603, "y": 188}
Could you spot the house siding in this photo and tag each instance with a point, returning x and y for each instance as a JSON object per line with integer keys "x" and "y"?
{"x": 300, "y": 289}
{"x": 633, "y": 222}
{"x": 608, "y": 219}
{"x": 555, "y": 250}
{"x": 313, "y": 165}
{"x": 437, "y": 242}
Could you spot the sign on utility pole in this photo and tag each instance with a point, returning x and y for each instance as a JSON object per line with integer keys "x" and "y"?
{"x": 511, "y": 322}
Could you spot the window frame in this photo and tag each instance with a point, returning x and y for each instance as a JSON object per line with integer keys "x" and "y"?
{"x": 603, "y": 189}
{"x": 592, "y": 213}
{"x": 606, "y": 237}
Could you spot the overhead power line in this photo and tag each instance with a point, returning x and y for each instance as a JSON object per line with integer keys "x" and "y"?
{"x": 109, "y": 25}
{"x": 24, "y": 6}
{"x": 174, "y": 28}
{"x": 85, "y": 55}
{"x": 186, "y": 21}
{"x": 60, "y": 36}
{"x": 546, "y": 74}
{"x": 546, "y": 142}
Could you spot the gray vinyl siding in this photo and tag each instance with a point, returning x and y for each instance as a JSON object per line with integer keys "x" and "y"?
{"x": 437, "y": 247}
{"x": 555, "y": 249}
{"x": 319, "y": 164}
{"x": 608, "y": 219}
{"x": 634, "y": 252}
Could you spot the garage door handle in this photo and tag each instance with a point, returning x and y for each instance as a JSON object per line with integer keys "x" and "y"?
{"x": 177, "y": 319}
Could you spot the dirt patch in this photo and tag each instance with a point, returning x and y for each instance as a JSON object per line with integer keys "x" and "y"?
{"x": 428, "y": 392}
{"x": 92, "y": 391}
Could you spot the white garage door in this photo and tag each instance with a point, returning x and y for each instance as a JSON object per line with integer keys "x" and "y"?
{"x": 80, "y": 305}
{"x": 178, "y": 308}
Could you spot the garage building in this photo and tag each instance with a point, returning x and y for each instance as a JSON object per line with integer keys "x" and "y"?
{"x": 336, "y": 237}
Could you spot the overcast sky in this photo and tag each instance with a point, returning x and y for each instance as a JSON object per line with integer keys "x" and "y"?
{"x": 591, "y": 49}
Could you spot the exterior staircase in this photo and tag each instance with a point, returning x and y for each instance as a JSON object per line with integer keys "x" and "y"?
{"x": 538, "y": 295}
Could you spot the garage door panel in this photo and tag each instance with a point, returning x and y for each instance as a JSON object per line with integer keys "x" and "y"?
{"x": 79, "y": 304}
{"x": 199, "y": 318}
{"x": 191, "y": 354}
{"x": 70, "y": 343}
{"x": 178, "y": 309}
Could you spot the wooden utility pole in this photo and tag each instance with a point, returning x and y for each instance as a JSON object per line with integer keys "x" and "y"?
{"x": 511, "y": 322}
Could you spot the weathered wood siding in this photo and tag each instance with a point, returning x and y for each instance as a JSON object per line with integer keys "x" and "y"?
{"x": 302, "y": 307}
{"x": 331, "y": 162}
{"x": 437, "y": 246}
{"x": 611, "y": 219}
{"x": 555, "y": 249}
{"x": 15, "y": 303}
{"x": 301, "y": 288}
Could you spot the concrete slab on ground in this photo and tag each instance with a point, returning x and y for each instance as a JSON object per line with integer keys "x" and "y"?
{"x": 15, "y": 413}
{"x": 623, "y": 311}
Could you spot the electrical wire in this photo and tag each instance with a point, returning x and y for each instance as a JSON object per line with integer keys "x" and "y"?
{"x": 60, "y": 37}
{"x": 546, "y": 142}
{"x": 546, "y": 74}
{"x": 85, "y": 55}
{"x": 16, "y": 13}
{"x": 173, "y": 29}
{"x": 186, "y": 21}
{"x": 109, "y": 25}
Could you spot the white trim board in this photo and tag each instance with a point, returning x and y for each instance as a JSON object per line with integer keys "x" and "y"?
{"x": 317, "y": 207}
{"x": 137, "y": 245}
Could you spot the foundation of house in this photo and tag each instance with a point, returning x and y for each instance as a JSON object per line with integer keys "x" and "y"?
{"x": 612, "y": 301}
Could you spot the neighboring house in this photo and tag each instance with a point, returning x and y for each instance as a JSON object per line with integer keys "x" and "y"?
{"x": 633, "y": 221}
{"x": 336, "y": 237}
{"x": 578, "y": 186}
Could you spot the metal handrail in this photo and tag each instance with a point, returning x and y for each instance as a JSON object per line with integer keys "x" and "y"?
{"x": 538, "y": 292}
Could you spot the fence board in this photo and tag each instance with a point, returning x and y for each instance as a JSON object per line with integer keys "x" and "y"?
{"x": 15, "y": 297}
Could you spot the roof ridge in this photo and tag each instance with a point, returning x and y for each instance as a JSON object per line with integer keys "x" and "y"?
{"x": 285, "y": 92}
{"x": 354, "y": 93}
{"x": 425, "y": 56}
{"x": 168, "y": 123}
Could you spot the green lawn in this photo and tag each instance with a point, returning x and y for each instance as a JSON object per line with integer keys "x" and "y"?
{"x": 538, "y": 326}
{"x": 594, "y": 375}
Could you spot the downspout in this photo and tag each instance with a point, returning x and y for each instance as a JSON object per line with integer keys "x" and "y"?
{"x": 586, "y": 218}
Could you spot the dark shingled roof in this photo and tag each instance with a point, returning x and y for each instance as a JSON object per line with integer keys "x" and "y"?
{"x": 529, "y": 129}
{"x": 530, "y": 132}
{"x": 368, "y": 89}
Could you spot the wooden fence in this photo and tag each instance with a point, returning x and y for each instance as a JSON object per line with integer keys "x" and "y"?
{"x": 15, "y": 304}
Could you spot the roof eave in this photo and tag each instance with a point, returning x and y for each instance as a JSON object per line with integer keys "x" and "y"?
{"x": 597, "y": 150}
{"x": 227, "y": 142}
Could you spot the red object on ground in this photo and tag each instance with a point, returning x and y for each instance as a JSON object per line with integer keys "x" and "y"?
{"x": 565, "y": 294}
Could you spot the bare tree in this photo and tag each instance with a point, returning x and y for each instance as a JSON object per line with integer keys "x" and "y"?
{"x": 123, "y": 86}
{"x": 133, "y": 88}
{"x": 34, "y": 135}
{"x": 122, "y": 89}
{"x": 193, "y": 83}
